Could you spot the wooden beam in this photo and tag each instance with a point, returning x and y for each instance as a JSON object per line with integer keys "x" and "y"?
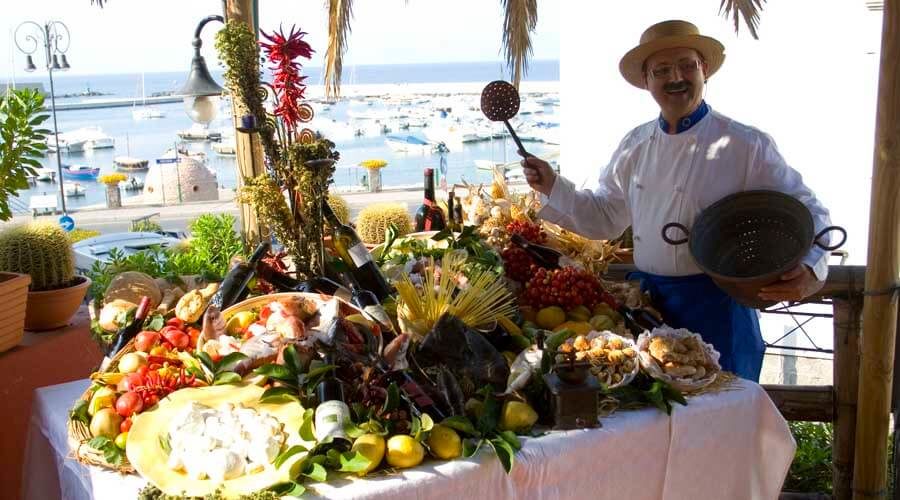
{"x": 883, "y": 268}
{"x": 248, "y": 149}
{"x": 808, "y": 403}
{"x": 847, "y": 325}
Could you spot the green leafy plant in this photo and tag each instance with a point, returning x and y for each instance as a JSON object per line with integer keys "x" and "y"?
{"x": 647, "y": 391}
{"x": 41, "y": 250}
{"x": 22, "y": 142}
{"x": 811, "y": 469}
{"x": 145, "y": 226}
{"x": 214, "y": 241}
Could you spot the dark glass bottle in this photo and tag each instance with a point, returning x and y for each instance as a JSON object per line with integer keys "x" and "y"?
{"x": 318, "y": 284}
{"x": 451, "y": 211}
{"x": 369, "y": 304}
{"x": 356, "y": 256}
{"x": 543, "y": 256}
{"x": 234, "y": 287}
{"x": 410, "y": 391}
{"x": 127, "y": 332}
{"x": 332, "y": 415}
{"x": 429, "y": 216}
{"x": 458, "y": 213}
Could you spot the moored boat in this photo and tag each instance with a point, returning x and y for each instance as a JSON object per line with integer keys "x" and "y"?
{"x": 130, "y": 164}
{"x": 84, "y": 172}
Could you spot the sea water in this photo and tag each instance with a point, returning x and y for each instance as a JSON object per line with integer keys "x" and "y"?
{"x": 149, "y": 139}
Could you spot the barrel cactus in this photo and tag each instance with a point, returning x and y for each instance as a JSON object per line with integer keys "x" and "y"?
{"x": 374, "y": 219}
{"x": 41, "y": 250}
{"x": 339, "y": 206}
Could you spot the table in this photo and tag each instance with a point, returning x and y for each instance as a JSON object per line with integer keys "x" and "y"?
{"x": 733, "y": 444}
{"x": 40, "y": 359}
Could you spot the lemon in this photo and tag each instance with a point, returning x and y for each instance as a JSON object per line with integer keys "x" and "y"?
{"x": 121, "y": 439}
{"x": 579, "y": 327}
{"x": 239, "y": 322}
{"x": 604, "y": 309}
{"x": 444, "y": 442}
{"x": 551, "y": 317}
{"x": 580, "y": 313}
{"x": 372, "y": 447}
{"x": 517, "y": 416}
{"x": 403, "y": 451}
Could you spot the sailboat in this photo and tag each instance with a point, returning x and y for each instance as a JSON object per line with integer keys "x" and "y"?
{"x": 129, "y": 163}
{"x": 145, "y": 112}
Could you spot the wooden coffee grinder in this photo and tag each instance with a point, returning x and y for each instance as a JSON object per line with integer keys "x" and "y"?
{"x": 574, "y": 394}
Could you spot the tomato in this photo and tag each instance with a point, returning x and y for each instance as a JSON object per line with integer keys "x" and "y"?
{"x": 264, "y": 314}
{"x": 194, "y": 334}
{"x": 131, "y": 381}
{"x": 142, "y": 370}
{"x": 129, "y": 403}
{"x": 168, "y": 346}
{"x": 176, "y": 322}
{"x": 145, "y": 340}
{"x": 125, "y": 426}
{"x": 177, "y": 338}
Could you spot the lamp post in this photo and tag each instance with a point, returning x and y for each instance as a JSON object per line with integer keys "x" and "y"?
{"x": 201, "y": 93}
{"x": 52, "y": 34}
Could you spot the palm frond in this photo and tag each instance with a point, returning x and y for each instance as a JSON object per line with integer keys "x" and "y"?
{"x": 340, "y": 12}
{"x": 748, "y": 9}
{"x": 519, "y": 22}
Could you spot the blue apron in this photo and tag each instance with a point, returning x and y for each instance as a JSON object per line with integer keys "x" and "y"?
{"x": 696, "y": 303}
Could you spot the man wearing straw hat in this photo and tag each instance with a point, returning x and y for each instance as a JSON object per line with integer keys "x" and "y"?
{"x": 670, "y": 169}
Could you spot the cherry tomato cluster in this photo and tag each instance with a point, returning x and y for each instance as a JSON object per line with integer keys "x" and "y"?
{"x": 175, "y": 335}
{"x": 517, "y": 263}
{"x": 567, "y": 287}
{"x": 529, "y": 230}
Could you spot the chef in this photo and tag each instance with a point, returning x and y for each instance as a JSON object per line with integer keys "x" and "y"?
{"x": 670, "y": 169}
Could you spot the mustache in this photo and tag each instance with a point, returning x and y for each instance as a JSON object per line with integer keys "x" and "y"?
{"x": 676, "y": 86}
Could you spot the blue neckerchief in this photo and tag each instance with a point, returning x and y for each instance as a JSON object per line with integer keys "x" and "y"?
{"x": 687, "y": 121}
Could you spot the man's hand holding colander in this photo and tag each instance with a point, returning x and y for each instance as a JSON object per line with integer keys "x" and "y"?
{"x": 539, "y": 174}
{"x": 795, "y": 285}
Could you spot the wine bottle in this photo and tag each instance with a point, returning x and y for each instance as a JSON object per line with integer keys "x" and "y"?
{"x": 356, "y": 256}
{"x": 543, "y": 256}
{"x": 429, "y": 216}
{"x": 234, "y": 287}
{"x": 410, "y": 391}
{"x": 332, "y": 415}
{"x": 127, "y": 332}
{"x": 636, "y": 320}
{"x": 458, "y": 213}
{"x": 369, "y": 304}
{"x": 317, "y": 284}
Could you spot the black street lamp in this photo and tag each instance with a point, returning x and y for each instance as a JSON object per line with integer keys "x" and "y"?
{"x": 201, "y": 93}
{"x": 51, "y": 35}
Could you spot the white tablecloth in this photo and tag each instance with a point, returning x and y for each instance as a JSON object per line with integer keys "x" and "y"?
{"x": 731, "y": 445}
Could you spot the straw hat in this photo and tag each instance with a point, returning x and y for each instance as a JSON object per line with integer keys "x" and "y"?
{"x": 667, "y": 35}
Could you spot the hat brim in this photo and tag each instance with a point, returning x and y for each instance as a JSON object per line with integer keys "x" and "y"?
{"x": 632, "y": 64}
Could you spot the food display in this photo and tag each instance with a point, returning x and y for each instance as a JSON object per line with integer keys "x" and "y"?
{"x": 679, "y": 357}
{"x": 613, "y": 358}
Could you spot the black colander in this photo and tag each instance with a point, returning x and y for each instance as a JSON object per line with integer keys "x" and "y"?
{"x": 747, "y": 240}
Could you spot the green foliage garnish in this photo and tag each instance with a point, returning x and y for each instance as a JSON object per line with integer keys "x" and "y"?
{"x": 111, "y": 453}
{"x": 645, "y": 390}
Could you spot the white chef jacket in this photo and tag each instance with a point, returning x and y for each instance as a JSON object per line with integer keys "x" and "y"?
{"x": 655, "y": 178}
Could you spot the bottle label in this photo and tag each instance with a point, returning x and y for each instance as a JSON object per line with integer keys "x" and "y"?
{"x": 360, "y": 255}
{"x": 331, "y": 418}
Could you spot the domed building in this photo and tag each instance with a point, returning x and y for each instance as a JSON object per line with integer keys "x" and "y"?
{"x": 187, "y": 179}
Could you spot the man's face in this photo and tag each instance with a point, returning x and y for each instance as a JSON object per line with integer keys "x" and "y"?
{"x": 675, "y": 79}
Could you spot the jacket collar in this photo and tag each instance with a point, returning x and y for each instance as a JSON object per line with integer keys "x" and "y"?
{"x": 685, "y": 122}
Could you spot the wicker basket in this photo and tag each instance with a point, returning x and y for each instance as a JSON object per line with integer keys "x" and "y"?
{"x": 80, "y": 433}
{"x": 13, "y": 297}
{"x": 747, "y": 240}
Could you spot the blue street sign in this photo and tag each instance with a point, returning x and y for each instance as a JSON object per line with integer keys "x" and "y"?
{"x": 67, "y": 223}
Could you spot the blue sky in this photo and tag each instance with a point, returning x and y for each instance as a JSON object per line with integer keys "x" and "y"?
{"x": 130, "y": 36}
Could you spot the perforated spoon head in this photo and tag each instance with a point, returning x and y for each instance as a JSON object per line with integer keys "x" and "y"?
{"x": 499, "y": 101}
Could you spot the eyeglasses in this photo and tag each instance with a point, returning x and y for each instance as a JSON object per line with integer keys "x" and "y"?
{"x": 685, "y": 67}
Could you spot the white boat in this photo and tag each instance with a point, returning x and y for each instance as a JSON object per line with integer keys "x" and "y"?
{"x": 85, "y": 138}
{"x": 45, "y": 175}
{"x": 199, "y": 132}
{"x": 130, "y": 164}
{"x": 98, "y": 248}
{"x": 226, "y": 147}
{"x": 145, "y": 112}
{"x": 408, "y": 144}
{"x": 171, "y": 156}
{"x": 73, "y": 189}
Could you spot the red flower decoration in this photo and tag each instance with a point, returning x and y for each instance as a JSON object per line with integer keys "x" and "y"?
{"x": 282, "y": 51}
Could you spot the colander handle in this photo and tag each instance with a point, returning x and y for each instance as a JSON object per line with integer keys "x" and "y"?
{"x": 831, "y": 247}
{"x": 670, "y": 241}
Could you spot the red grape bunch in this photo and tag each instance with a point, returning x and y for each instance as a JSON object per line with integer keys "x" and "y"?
{"x": 517, "y": 263}
{"x": 529, "y": 230}
{"x": 568, "y": 288}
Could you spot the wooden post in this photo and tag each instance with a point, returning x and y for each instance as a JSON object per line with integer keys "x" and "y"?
{"x": 846, "y": 320}
{"x": 882, "y": 271}
{"x": 248, "y": 150}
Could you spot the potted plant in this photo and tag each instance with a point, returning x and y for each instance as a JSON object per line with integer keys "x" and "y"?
{"x": 43, "y": 251}
{"x": 22, "y": 142}
{"x": 113, "y": 195}
{"x": 374, "y": 167}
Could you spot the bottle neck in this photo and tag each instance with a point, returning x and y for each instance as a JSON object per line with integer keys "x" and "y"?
{"x": 429, "y": 188}
{"x": 330, "y": 216}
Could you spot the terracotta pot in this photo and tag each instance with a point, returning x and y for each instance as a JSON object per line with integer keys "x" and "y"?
{"x": 13, "y": 297}
{"x": 54, "y": 308}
